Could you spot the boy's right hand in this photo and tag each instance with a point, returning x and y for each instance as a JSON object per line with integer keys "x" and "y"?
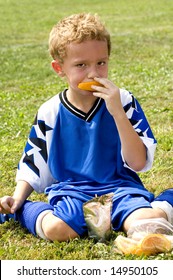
{"x": 9, "y": 205}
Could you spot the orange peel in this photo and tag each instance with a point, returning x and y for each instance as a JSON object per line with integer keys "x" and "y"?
{"x": 125, "y": 245}
{"x": 150, "y": 245}
{"x": 87, "y": 85}
{"x": 155, "y": 243}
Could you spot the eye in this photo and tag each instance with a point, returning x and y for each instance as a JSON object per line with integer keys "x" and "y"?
{"x": 80, "y": 65}
{"x": 101, "y": 63}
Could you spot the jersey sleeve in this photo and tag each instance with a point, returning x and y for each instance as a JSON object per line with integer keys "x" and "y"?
{"x": 140, "y": 124}
{"x": 33, "y": 166}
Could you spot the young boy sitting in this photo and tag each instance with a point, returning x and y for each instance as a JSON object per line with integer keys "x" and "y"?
{"x": 85, "y": 142}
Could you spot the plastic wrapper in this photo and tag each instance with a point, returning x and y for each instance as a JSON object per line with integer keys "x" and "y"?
{"x": 141, "y": 228}
{"x": 97, "y": 213}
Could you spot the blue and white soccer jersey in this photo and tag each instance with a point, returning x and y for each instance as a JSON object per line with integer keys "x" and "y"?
{"x": 73, "y": 156}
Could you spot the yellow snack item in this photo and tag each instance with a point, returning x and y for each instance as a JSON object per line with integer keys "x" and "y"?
{"x": 150, "y": 245}
{"x": 125, "y": 245}
{"x": 155, "y": 243}
{"x": 87, "y": 85}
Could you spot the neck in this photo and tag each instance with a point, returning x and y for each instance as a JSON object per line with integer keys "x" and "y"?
{"x": 81, "y": 102}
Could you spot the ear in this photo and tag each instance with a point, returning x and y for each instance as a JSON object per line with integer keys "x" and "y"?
{"x": 57, "y": 68}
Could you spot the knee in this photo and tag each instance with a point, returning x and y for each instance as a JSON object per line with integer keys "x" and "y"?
{"x": 57, "y": 230}
{"x": 143, "y": 213}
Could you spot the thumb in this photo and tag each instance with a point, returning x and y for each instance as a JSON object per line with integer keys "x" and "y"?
{"x": 15, "y": 206}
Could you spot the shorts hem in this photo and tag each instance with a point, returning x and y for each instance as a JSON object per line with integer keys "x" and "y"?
{"x": 120, "y": 225}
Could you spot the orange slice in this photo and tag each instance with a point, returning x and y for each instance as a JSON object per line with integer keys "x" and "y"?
{"x": 126, "y": 245}
{"x": 87, "y": 85}
{"x": 155, "y": 243}
{"x": 149, "y": 245}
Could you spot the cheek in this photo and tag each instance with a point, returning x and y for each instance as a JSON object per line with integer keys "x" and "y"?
{"x": 78, "y": 76}
{"x": 104, "y": 72}
{"x": 74, "y": 80}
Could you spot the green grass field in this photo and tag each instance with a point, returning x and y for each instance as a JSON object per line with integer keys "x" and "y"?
{"x": 141, "y": 61}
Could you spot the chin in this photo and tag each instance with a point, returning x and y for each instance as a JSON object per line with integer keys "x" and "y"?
{"x": 87, "y": 93}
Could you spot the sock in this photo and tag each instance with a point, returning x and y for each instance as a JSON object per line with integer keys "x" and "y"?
{"x": 166, "y": 207}
{"x": 166, "y": 195}
{"x": 28, "y": 213}
{"x": 38, "y": 226}
{"x": 6, "y": 218}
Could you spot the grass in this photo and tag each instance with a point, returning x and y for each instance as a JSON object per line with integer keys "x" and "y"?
{"x": 141, "y": 61}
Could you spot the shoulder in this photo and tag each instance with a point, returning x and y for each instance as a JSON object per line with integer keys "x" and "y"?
{"x": 51, "y": 104}
{"x": 126, "y": 96}
{"x": 48, "y": 110}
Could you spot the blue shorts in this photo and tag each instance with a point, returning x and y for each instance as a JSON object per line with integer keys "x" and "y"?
{"x": 68, "y": 205}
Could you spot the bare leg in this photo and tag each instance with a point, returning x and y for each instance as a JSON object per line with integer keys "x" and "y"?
{"x": 143, "y": 213}
{"x": 139, "y": 227}
{"x": 57, "y": 230}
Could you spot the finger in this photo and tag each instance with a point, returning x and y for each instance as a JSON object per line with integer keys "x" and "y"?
{"x": 100, "y": 89}
{"x": 5, "y": 207}
{"x": 100, "y": 94}
{"x": 14, "y": 207}
{"x": 105, "y": 82}
{"x": 101, "y": 80}
{"x": 6, "y": 203}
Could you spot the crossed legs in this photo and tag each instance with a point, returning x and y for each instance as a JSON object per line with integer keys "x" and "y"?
{"x": 56, "y": 229}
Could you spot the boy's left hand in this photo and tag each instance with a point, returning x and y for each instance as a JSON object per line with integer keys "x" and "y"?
{"x": 111, "y": 94}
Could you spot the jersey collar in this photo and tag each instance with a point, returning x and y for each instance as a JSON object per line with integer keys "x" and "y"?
{"x": 85, "y": 116}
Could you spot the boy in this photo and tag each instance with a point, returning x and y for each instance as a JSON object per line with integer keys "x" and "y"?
{"x": 85, "y": 143}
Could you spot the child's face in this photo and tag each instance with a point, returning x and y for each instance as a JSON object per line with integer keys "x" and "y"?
{"x": 84, "y": 62}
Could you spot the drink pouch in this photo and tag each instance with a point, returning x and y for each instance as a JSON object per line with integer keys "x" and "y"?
{"x": 97, "y": 214}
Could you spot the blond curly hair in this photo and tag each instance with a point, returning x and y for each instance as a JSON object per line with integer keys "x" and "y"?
{"x": 76, "y": 28}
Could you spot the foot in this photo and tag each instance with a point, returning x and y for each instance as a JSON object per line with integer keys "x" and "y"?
{"x": 166, "y": 195}
{"x": 141, "y": 228}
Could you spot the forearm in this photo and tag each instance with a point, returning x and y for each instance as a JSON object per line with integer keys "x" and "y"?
{"x": 22, "y": 191}
{"x": 133, "y": 149}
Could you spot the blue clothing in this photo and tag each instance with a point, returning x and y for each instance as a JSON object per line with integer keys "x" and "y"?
{"x": 68, "y": 203}
{"x": 66, "y": 144}
{"x": 73, "y": 156}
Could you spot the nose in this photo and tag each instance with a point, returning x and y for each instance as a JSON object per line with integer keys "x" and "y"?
{"x": 92, "y": 72}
